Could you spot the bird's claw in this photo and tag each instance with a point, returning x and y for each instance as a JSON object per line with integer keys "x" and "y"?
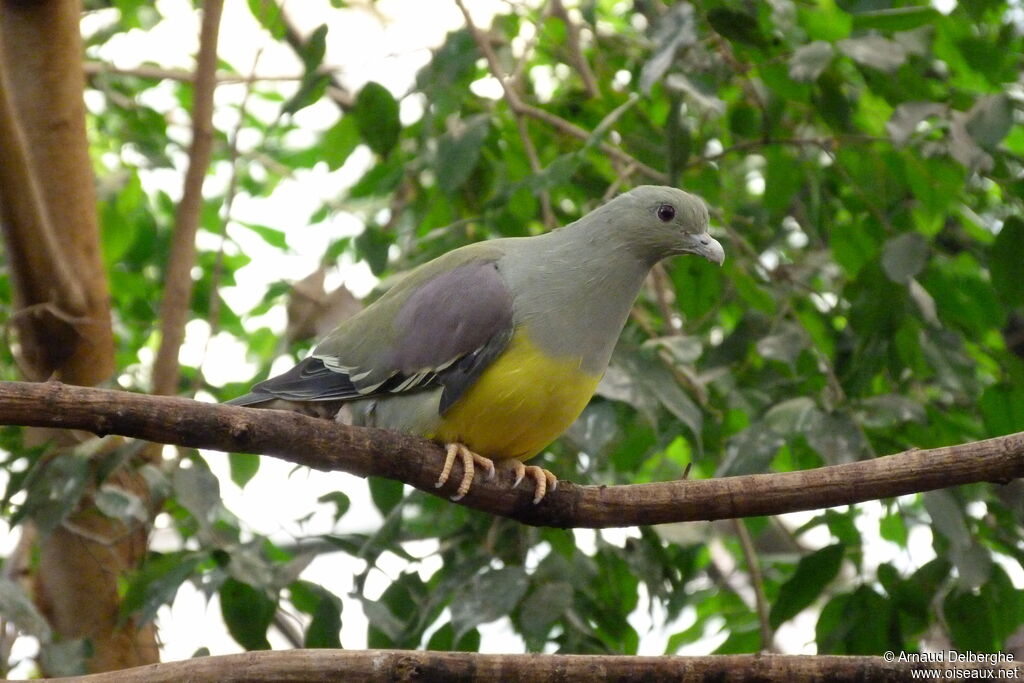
{"x": 543, "y": 479}
{"x": 469, "y": 462}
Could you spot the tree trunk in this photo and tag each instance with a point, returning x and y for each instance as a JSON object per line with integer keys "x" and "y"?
{"x": 63, "y": 324}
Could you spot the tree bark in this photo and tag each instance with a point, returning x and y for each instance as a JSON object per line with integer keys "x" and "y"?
{"x": 326, "y": 445}
{"x": 178, "y": 276}
{"x": 63, "y": 324}
{"x": 293, "y": 666}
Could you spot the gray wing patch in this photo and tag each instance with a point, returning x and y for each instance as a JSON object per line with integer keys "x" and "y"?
{"x": 452, "y": 315}
{"x": 445, "y": 334}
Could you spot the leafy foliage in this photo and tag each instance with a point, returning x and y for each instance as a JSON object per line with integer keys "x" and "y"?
{"x": 863, "y": 164}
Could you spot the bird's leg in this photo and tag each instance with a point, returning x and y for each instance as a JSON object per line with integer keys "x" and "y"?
{"x": 543, "y": 479}
{"x": 469, "y": 460}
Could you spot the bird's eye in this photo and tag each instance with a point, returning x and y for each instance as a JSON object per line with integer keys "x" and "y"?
{"x": 666, "y": 212}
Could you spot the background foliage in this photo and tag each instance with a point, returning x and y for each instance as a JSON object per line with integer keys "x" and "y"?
{"x": 863, "y": 162}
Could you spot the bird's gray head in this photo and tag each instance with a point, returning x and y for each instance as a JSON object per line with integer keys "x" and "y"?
{"x": 656, "y": 221}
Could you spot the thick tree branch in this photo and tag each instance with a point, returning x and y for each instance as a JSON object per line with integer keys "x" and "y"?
{"x": 178, "y": 278}
{"x": 325, "y": 445}
{"x": 407, "y": 665}
{"x": 48, "y": 197}
{"x": 51, "y": 231}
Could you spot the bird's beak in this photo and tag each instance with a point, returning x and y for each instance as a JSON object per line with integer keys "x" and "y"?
{"x": 704, "y": 245}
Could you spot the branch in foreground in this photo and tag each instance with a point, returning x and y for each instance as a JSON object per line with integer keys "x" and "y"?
{"x": 405, "y": 665}
{"x": 326, "y": 445}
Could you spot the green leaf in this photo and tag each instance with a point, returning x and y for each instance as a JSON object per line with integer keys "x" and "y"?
{"x": 117, "y": 503}
{"x": 372, "y": 245}
{"x": 990, "y": 119}
{"x": 386, "y": 493}
{"x": 325, "y": 627}
{"x": 340, "y": 501}
{"x": 895, "y": 18}
{"x": 874, "y": 51}
{"x": 244, "y": 467}
{"x": 198, "y": 492}
{"x": 488, "y": 596}
{"x": 311, "y": 88}
{"x": 908, "y": 116}
{"x": 860, "y": 623}
{"x": 272, "y": 236}
{"x": 268, "y": 14}
{"x": 825, "y": 21}
{"x": 738, "y": 27}
{"x": 1002, "y": 407}
{"x": 444, "y": 640}
{"x": 813, "y": 573}
{"x": 543, "y": 607}
{"x": 904, "y": 256}
{"x": 784, "y": 344}
{"x": 596, "y": 429}
{"x": 644, "y": 377}
{"x": 55, "y": 487}
{"x": 313, "y": 49}
{"x": 887, "y": 410}
{"x": 981, "y": 620}
{"x": 832, "y": 102}
{"x": 17, "y": 607}
{"x": 793, "y": 416}
{"x": 459, "y": 149}
{"x": 247, "y": 613}
{"x": 894, "y": 529}
{"x": 1004, "y": 261}
{"x": 836, "y": 437}
{"x": 750, "y": 451}
{"x": 65, "y": 657}
{"x": 156, "y": 584}
{"x": 676, "y": 29}
{"x": 808, "y": 61}
{"x": 121, "y": 218}
{"x": 947, "y": 516}
{"x": 376, "y": 113}
{"x": 338, "y": 142}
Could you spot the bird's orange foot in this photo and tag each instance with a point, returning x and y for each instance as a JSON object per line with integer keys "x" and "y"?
{"x": 543, "y": 479}
{"x": 469, "y": 462}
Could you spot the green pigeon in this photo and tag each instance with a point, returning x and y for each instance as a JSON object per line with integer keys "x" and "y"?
{"x": 494, "y": 349}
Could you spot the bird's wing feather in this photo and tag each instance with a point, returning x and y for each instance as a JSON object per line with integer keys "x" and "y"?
{"x": 439, "y": 328}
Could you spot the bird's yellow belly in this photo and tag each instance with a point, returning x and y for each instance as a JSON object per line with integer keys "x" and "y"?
{"x": 519, "y": 404}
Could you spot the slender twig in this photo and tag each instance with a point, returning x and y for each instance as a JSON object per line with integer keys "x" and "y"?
{"x": 518, "y": 106}
{"x": 520, "y": 67}
{"x": 162, "y": 73}
{"x": 287, "y": 629}
{"x": 572, "y": 38}
{"x": 563, "y": 126}
{"x": 213, "y": 304}
{"x": 547, "y": 213}
{"x": 511, "y": 97}
{"x": 826, "y": 144}
{"x": 757, "y": 581}
{"x": 178, "y": 278}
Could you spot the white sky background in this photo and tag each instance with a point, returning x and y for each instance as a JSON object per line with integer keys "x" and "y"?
{"x": 388, "y": 43}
